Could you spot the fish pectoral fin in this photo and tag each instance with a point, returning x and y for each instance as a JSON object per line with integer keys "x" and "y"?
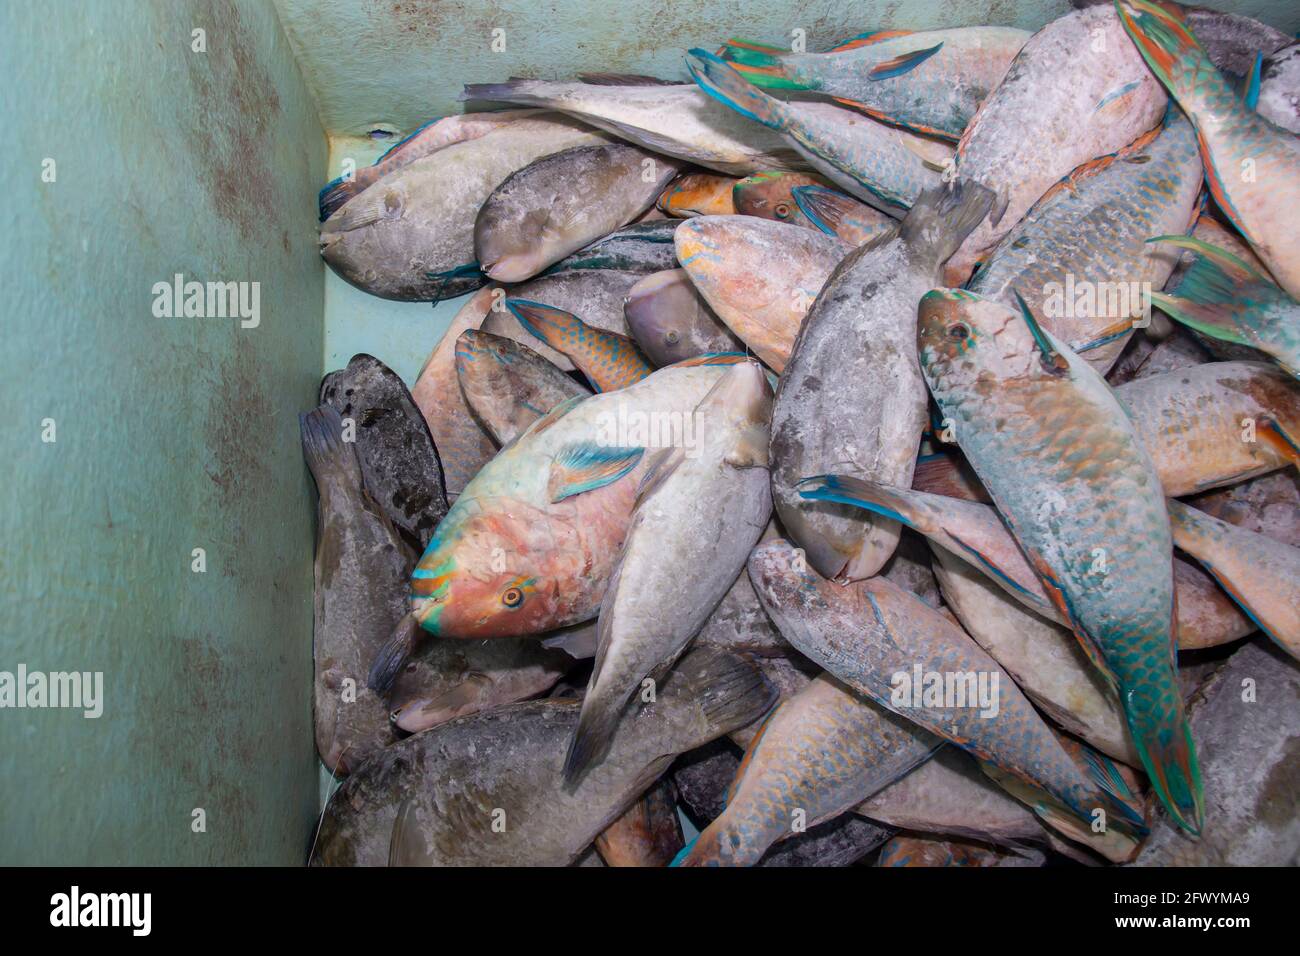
{"x": 587, "y": 466}
{"x": 662, "y": 464}
{"x": 903, "y": 63}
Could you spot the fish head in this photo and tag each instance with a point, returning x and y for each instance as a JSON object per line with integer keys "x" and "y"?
{"x": 966, "y": 341}
{"x": 697, "y": 194}
{"x": 513, "y": 243}
{"x": 659, "y": 309}
{"x": 347, "y": 236}
{"x": 484, "y": 361}
{"x": 490, "y": 571}
{"x": 769, "y": 195}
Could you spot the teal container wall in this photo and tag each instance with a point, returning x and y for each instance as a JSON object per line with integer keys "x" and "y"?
{"x": 171, "y": 434}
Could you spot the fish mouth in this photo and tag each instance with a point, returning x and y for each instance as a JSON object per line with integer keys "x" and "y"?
{"x": 513, "y": 268}
{"x": 423, "y": 713}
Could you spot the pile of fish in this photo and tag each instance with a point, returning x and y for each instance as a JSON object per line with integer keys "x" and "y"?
{"x": 885, "y": 454}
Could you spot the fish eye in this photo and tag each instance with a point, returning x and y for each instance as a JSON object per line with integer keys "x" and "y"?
{"x": 958, "y": 332}
{"x": 672, "y": 337}
{"x": 512, "y": 597}
{"x": 782, "y": 210}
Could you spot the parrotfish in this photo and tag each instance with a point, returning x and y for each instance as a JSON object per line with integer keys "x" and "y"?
{"x": 508, "y": 386}
{"x": 759, "y": 276}
{"x": 1080, "y": 257}
{"x": 1071, "y": 477}
{"x": 1262, "y": 575}
{"x": 1075, "y": 91}
{"x": 608, "y": 360}
{"x": 1279, "y": 89}
{"x": 973, "y": 532}
{"x": 562, "y": 202}
{"x": 1223, "y": 297}
{"x": 1252, "y": 167}
{"x": 852, "y": 395}
{"x": 676, "y": 119}
{"x": 842, "y": 216}
{"x": 642, "y": 247}
{"x": 1215, "y": 424}
{"x": 912, "y": 851}
{"x": 888, "y": 645}
{"x": 463, "y": 446}
{"x": 429, "y": 138}
{"x": 487, "y": 789}
{"x": 447, "y": 679}
{"x": 770, "y": 195}
{"x": 880, "y": 164}
{"x": 669, "y": 577}
{"x": 698, "y": 194}
{"x": 818, "y": 754}
{"x": 399, "y": 464}
{"x": 670, "y": 320}
{"x": 648, "y": 834}
{"x": 530, "y": 544}
{"x": 361, "y": 562}
{"x": 411, "y": 236}
{"x": 932, "y": 81}
{"x": 595, "y": 294}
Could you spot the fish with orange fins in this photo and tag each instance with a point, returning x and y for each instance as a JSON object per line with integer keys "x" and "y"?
{"x": 1234, "y": 138}
{"x": 1082, "y": 90}
{"x": 610, "y": 361}
{"x": 530, "y": 544}
{"x": 770, "y": 195}
{"x": 1224, "y": 297}
{"x": 889, "y": 645}
{"x": 931, "y": 81}
{"x": 822, "y": 751}
{"x": 1261, "y": 574}
{"x": 1068, "y": 472}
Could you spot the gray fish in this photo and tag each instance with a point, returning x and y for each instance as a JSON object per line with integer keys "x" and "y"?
{"x": 487, "y": 789}
{"x": 399, "y": 464}
{"x": 852, "y": 397}
{"x": 507, "y": 385}
{"x": 669, "y": 577}
{"x": 678, "y": 120}
{"x": 361, "y": 572}
{"x": 670, "y": 320}
{"x": 447, "y": 678}
{"x": 560, "y": 203}
{"x": 644, "y": 247}
{"x": 1279, "y": 88}
{"x": 410, "y": 236}
{"x": 595, "y": 295}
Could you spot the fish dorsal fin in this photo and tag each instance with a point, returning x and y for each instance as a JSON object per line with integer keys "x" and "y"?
{"x": 624, "y": 79}
{"x": 868, "y": 38}
{"x": 1051, "y": 358}
{"x": 1253, "y": 81}
{"x": 663, "y": 463}
{"x": 586, "y": 466}
{"x": 711, "y": 358}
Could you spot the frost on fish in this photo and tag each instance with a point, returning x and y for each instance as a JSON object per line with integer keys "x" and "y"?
{"x": 759, "y": 276}
{"x": 1081, "y": 91}
{"x": 410, "y": 236}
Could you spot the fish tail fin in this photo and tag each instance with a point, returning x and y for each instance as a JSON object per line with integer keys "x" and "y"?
{"x": 721, "y": 81}
{"x": 683, "y": 857}
{"x": 1215, "y": 291}
{"x": 591, "y": 738}
{"x": 942, "y": 217}
{"x": 393, "y": 655}
{"x": 545, "y": 322}
{"x": 760, "y": 63}
{"x": 328, "y": 455}
{"x": 1169, "y": 756}
{"x": 335, "y": 193}
{"x": 1168, "y": 45}
{"x": 523, "y": 92}
{"x": 723, "y": 690}
{"x": 1122, "y": 806}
